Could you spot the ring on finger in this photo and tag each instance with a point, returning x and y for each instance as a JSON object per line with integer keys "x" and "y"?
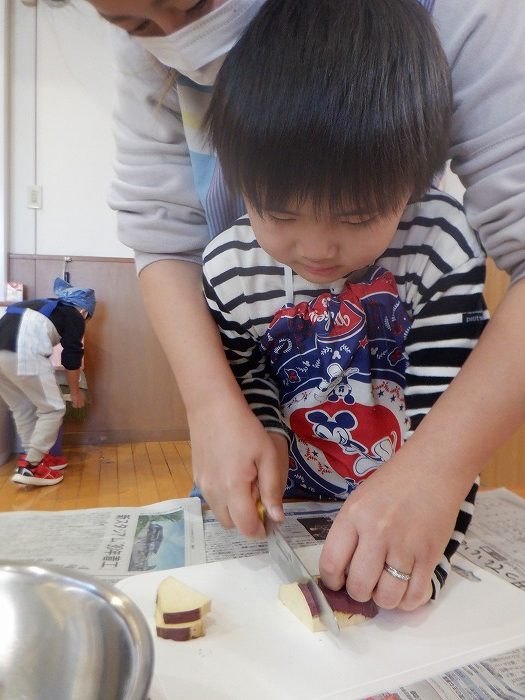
{"x": 401, "y": 575}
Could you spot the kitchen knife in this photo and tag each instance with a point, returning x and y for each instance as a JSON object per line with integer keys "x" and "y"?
{"x": 294, "y": 571}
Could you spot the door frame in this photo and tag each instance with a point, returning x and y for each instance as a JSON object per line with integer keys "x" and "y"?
{"x": 4, "y": 141}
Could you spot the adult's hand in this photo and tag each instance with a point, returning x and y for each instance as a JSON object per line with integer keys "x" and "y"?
{"x": 235, "y": 462}
{"x": 398, "y": 516}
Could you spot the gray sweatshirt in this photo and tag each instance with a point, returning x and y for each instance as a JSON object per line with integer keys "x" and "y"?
{"x": 164, "y": 172}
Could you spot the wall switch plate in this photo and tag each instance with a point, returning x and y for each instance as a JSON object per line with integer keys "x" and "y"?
{"x": 34, "y": 197}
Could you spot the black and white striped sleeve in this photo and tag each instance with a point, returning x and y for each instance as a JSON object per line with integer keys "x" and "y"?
{"x": 230, "y": 291}
{"x": 439, "y": 266}
{"x": 447, "y": 323}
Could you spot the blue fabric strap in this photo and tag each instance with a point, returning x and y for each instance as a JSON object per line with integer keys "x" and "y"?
{"x": 47, "y": 308}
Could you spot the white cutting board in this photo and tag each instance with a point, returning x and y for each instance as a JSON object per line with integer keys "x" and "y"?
{"x": 255, "y": 648}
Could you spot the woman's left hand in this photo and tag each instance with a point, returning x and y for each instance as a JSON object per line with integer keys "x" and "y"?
{"x": 400, "y": 517}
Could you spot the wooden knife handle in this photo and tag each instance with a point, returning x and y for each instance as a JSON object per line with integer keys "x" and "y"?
{"x": 261, "y": 510}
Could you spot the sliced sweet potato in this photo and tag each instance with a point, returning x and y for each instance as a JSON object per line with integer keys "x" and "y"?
{"x": 178, "y": 603}
{"x": 299, "y": 600}
{"x": 345, "y": 606}
{"x": 180, "y": 632}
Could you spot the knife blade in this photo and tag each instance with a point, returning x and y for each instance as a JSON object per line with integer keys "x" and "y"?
{"x": 294, "y": 571}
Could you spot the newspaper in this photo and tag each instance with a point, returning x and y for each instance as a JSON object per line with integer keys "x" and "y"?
{"x": 307, "y": 523}
{"x": 496, "y": 537}
{"x": 501, "y": 677}
{"x": 109, "y": 543}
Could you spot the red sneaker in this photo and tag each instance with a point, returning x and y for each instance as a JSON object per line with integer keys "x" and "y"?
{"x": 53, "y": 462}
{"x": 35, "y": 475}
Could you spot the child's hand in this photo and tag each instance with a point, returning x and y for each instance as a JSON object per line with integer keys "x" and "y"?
{"x": 78, "y": 399}
{"x": 235, "y": 461}
{"x": 398, "y": 516}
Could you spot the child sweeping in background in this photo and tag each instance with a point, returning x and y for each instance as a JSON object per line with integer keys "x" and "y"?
{"x": 28, "y": 385}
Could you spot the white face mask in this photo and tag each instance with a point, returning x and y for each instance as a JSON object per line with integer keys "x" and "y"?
{"x": 198, "y": 50}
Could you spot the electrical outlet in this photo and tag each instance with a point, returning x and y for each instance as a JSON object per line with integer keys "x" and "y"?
{"x": 34, "y": 197}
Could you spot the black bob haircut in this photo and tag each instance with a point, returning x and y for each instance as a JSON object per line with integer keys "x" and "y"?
{"x": 339, "y": 102}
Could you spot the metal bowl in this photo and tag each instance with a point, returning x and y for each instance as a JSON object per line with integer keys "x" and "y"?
{"x": 66, "y": 636}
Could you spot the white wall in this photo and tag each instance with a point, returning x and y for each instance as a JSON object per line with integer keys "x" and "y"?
{"x": 61, "y": 132}
{"x": 22, "y": 221}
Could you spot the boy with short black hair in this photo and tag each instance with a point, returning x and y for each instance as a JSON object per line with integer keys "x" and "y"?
{"x": 352, "y": 295}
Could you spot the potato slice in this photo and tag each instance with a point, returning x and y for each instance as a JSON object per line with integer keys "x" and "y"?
{"x": 178, "y": 603}
{"x": 298, "y": 599}
{"x": 347, "y": 610}
{"x": 181, "y": 632}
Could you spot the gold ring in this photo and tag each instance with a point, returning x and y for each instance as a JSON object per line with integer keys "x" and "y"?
{"x": 396, "y": 573}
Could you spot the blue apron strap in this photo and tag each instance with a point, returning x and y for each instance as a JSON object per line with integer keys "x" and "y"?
{"x": 15, "y": 309}
{"x": 47, "y": 308}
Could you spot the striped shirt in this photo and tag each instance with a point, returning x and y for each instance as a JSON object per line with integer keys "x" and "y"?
{"x": 439, "y": 267}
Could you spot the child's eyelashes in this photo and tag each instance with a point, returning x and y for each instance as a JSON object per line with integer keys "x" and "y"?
{"x": 280, "y": 218}
{"x": 353, "y": 221}
{"x": 361, "y": 221}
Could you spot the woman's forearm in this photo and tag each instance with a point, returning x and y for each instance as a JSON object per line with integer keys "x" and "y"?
{"x": 172, "y": 292}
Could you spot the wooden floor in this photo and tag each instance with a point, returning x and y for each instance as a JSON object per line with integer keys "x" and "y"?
{"x": 111, "y": 475}
{"x": 117, "y": 475}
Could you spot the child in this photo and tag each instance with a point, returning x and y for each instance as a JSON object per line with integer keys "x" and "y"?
{"x": 28, "y": 332}
{"x": 351, "y": 295}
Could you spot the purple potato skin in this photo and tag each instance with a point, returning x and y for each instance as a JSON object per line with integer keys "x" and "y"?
{"x": 340, "y": 601}
{"x": 314, "y": 610}
{"x": 183, "y": 634}
{"x": 174, "y": 618}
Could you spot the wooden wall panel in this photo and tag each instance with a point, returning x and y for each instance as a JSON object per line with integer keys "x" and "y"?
{"x": 134, "y": 396}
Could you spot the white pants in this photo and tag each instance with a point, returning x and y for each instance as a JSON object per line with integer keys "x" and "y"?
{"x": 35, "y": 402}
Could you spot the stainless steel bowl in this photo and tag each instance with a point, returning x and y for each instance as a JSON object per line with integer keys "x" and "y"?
{"x": 66, "y": 636}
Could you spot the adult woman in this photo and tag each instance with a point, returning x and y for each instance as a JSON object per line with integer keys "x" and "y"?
{"x": 172, "y": 201}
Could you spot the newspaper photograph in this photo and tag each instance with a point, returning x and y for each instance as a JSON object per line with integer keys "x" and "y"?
{"x": 110, "y": 543}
